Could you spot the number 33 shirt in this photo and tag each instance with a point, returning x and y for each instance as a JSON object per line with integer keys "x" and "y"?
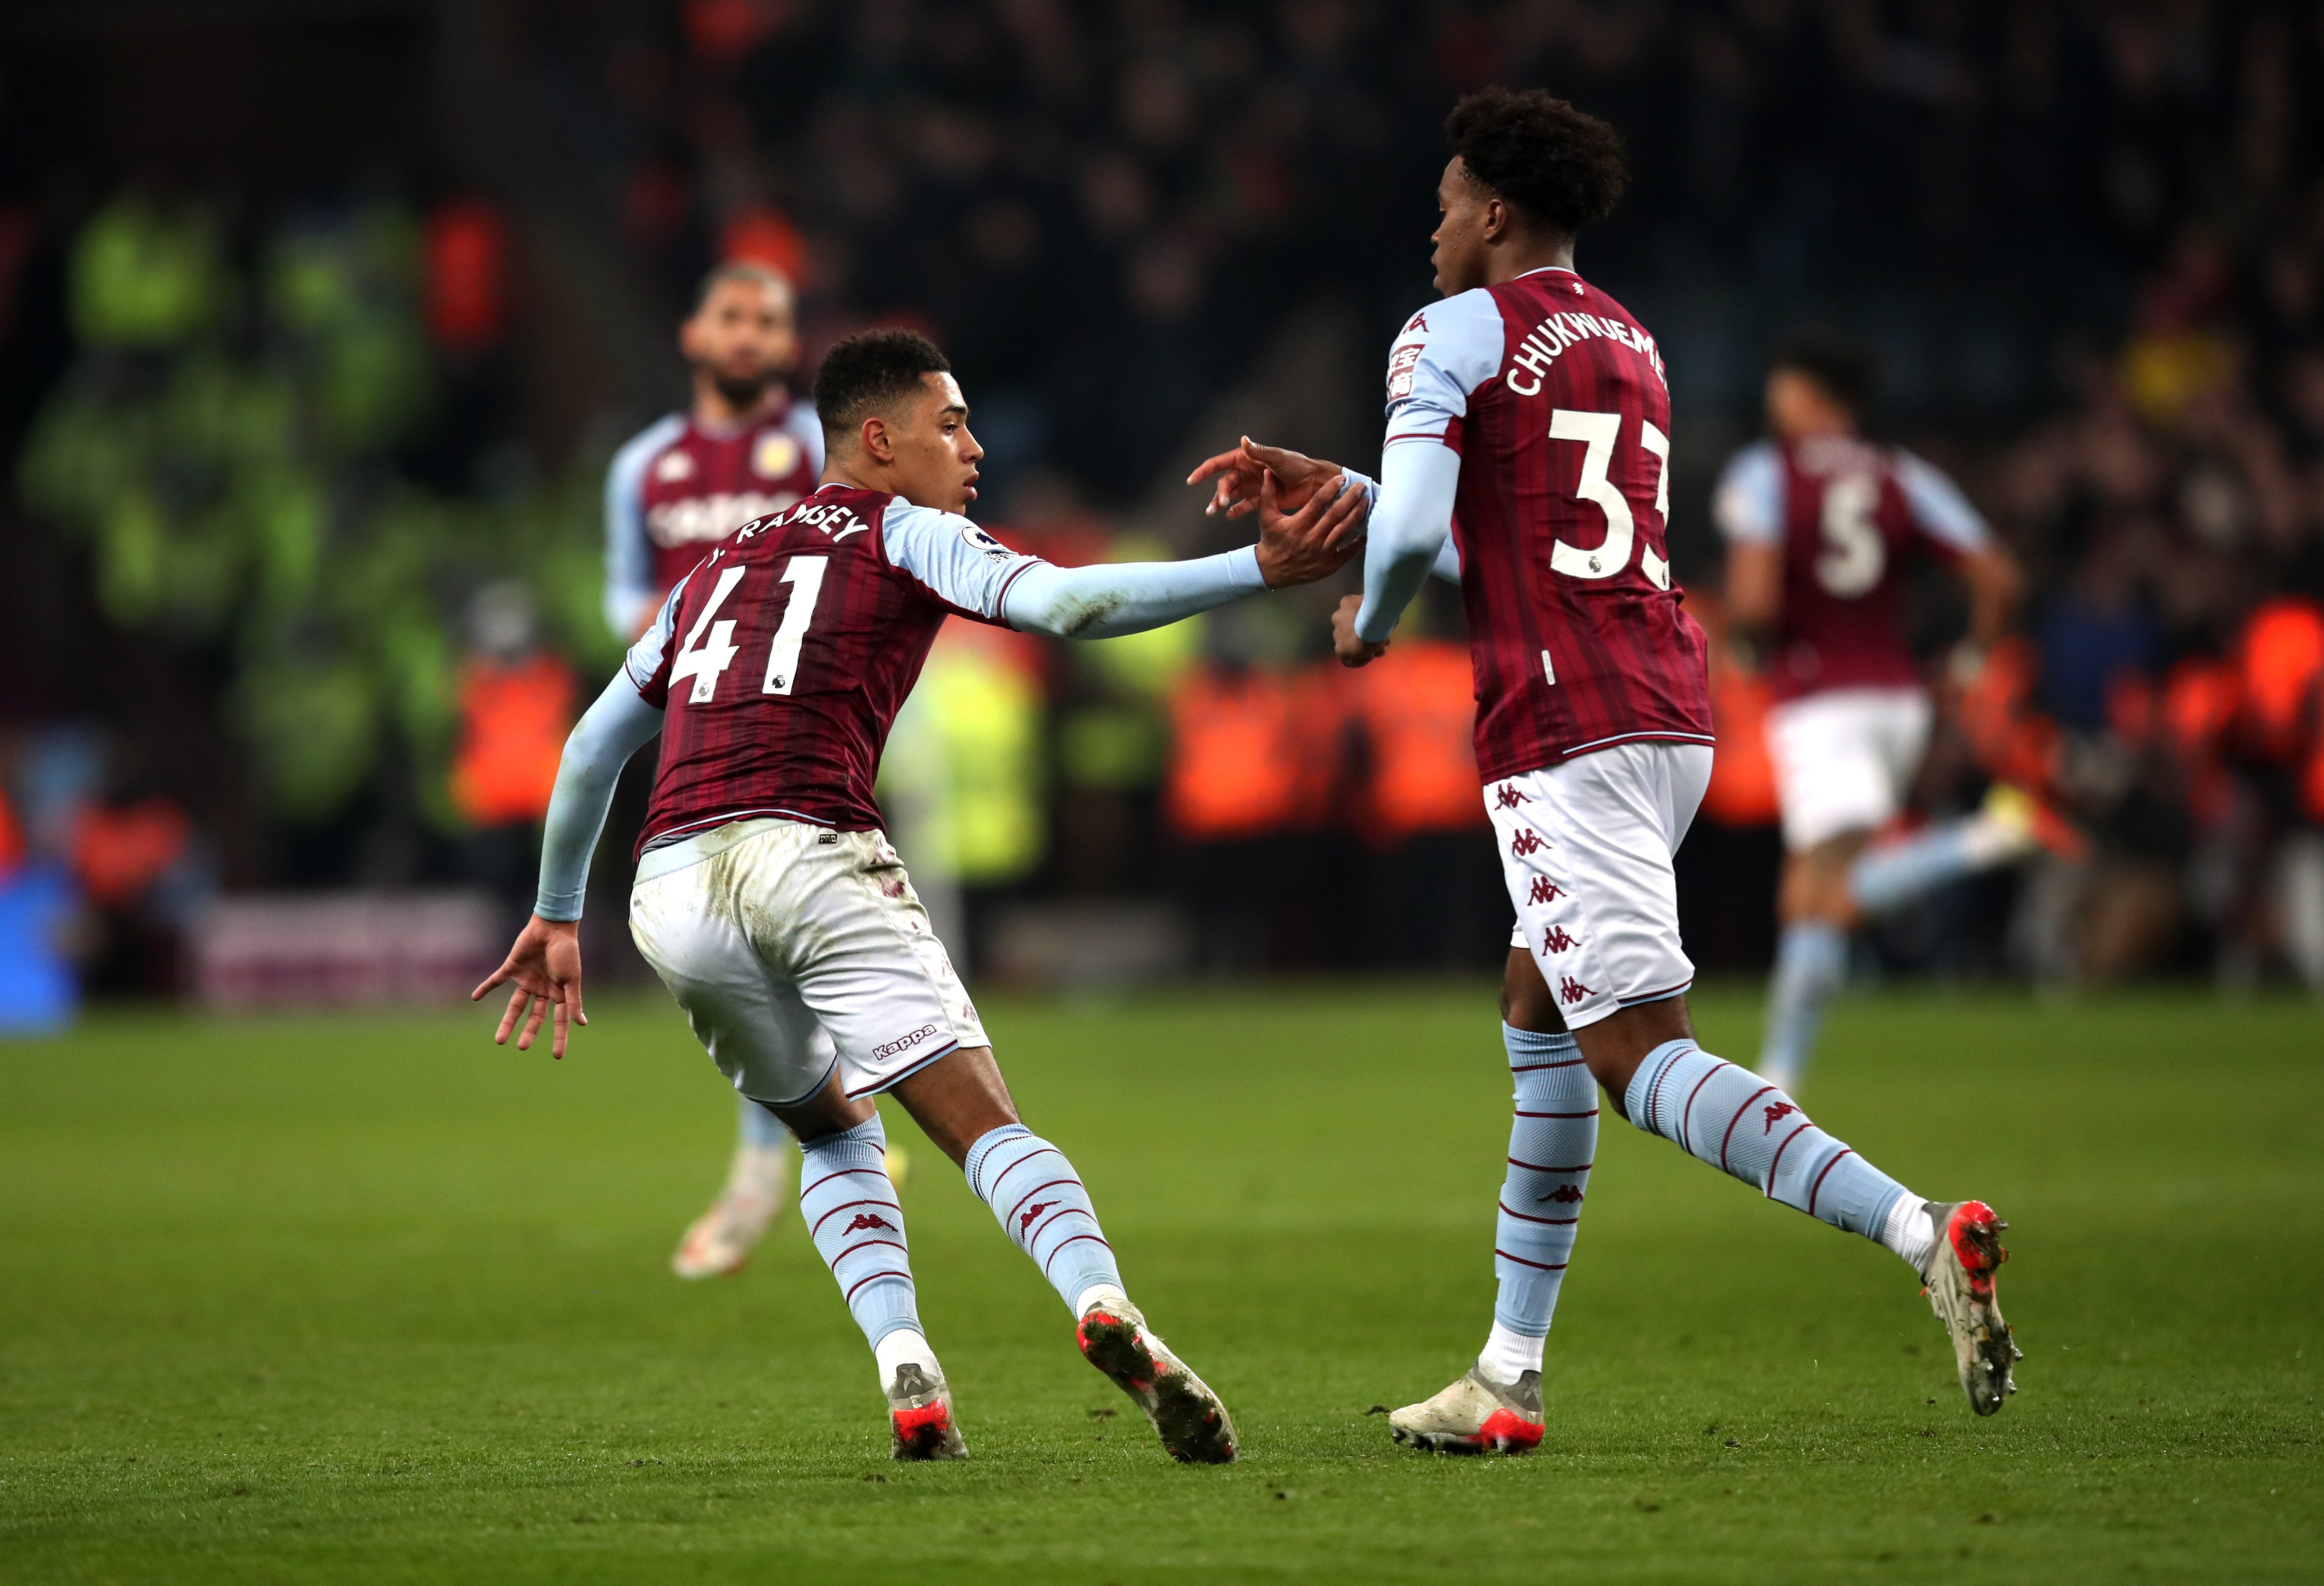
{"x": 1848, "y": 516}
{"x": 781, "y": 662}
{"x": 1554, "y": 400}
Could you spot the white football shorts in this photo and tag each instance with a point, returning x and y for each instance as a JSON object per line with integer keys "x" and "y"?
{"x": 1843, "y": 759}
{"x": 796, "y": 950}
{"x": 1586, "y": 850}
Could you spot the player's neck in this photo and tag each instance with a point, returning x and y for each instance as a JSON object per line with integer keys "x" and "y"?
{"x": 856, "y": 474}
{"x": 1522, "y": 255}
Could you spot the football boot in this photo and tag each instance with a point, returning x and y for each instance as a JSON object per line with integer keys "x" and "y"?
{"x": 1959, "y": 1275}
{"x": 1192, "y": 1422}
{"x": 919, "y": 1413}
{"x": 758, "y": 1188}
{"x": 1475, "y": 1416}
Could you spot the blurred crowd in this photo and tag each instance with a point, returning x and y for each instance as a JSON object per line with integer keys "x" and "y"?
{"x": 289, "y": 449}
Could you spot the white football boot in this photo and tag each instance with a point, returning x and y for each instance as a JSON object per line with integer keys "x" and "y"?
{"x": 1192, "y": 1421}
{"x": 1475, "y": 1416}
{"x": 758, "y": 1188}
{"x": 1959, "y": 1278}
{"x": 920, "y": 1414}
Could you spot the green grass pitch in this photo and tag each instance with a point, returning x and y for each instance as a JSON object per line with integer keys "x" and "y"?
{"x": 365, "y": 1299}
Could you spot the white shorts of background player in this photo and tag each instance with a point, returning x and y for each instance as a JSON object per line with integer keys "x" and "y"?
{"x": 1586, "y": 848}
{"x": 794, "y": 950}
{"x": 1843, "y": 759}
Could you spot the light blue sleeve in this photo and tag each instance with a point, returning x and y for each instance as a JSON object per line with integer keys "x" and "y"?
{"x": 1748, "y": 503}
{"x": 1939, "y": 508}
{"x": 1117, "y": 597}
{"x": 1443, "y": 354}
{"x": 1411, "y": 529}
{"x": 1448, "y": 561}
{"x": 950, "y": 557}
{"x": 629, "y": 553}
{"x": 613, "y": 730}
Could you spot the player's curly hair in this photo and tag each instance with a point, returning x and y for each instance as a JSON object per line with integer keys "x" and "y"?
{"x": 1559, "y": 166}
{"x": 867, "y": 370}
{"x": 1845, "y": 368}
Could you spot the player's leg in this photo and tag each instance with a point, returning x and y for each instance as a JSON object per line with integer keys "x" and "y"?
{"x": 1837, "y": 779}
{"x": 757, "y": 1189}
{"x": 2010, "y": 825}
{"x": 1496, "y": 1406}
{"x": 1617, "y": 816}
{"x": 875, "y": 975}
{"x": 1810, "y": 953}
{"x": 688, "y": 924}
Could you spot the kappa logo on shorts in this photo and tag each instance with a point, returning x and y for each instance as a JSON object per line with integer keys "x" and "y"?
{"x": 1509, "y": 796}
{"x": 1776, "y": 1112}
{"x": 1545, "y": 891}
{"x": 1527, "y": 841}
{"x": 1557, "y": 941}
{"x": 867, "y": 1220}
{"x": 904, "y": 1043}
{"x": 1570, "y": 990}
{"x": 1025, "y": 1223}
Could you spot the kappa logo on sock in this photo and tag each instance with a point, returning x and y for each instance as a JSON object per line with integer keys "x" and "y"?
{"x": 867, "y": 1220}
{"x": 1509, "y": 796}
{"x": 1777, "y": 1112}
{"x": 1527, "y": 841}
{"x": 1025, "y": 1223}
{"x": 1545, "y": 891}
{"x": 1557, "y": 941}
{"x": 1570, "y": 990}
{"x": 1564, "y": 1195}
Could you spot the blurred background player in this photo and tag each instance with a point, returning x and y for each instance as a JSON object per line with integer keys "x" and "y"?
{"x": 746, "y": 448}
{"x": 1822, "y": 529}
{"x": 767, "y": 896}
{"x": 1529, "y": 433}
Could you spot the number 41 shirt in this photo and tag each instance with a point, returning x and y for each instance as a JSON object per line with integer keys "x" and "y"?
{"x": 1555, "y": 401}
{"x": 781, "y": 662}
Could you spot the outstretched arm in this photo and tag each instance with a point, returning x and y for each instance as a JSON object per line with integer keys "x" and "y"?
{"x": 545, "y": 964}
{"x": 1112, "y": 599}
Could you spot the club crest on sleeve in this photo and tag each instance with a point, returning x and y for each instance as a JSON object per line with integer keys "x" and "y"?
{"x": 1400, "y": 365}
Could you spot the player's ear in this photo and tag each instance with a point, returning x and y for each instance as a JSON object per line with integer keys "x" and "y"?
{"x": 879, "y": 440}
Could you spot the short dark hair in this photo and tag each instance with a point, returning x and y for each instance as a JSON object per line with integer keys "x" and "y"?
{"x": 1845, "y": 368}
{"x": 1559, "y": 166}
{"x": 757, "y": 274}
{"x": 867, "y": 370}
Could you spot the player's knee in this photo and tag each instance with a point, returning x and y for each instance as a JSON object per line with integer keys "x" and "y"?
{"x": 1526, "y": 1000}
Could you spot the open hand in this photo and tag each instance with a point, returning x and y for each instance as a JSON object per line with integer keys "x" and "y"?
{"x": 545, "y": 967}
{"x": 1297, "y": 476}
{"x": 1313, "y": 543}
{"x": 1352, "y": 649}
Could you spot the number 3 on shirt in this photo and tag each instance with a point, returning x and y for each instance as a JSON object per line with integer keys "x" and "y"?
{"x": 1598, "y": 432}
{"x": 705, "y": 664}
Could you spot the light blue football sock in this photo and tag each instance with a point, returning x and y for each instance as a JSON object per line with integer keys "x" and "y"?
{"x": 1552, "y": 1144}
{"x": 1749, "y": 1129}
{"x": 1886, "y": 878}
{"x": 858, "y": 1228}
{"x": 759, "y": 1127}
{"x": 1039, "y": 1199}
{"x": 1811, "y": 965}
